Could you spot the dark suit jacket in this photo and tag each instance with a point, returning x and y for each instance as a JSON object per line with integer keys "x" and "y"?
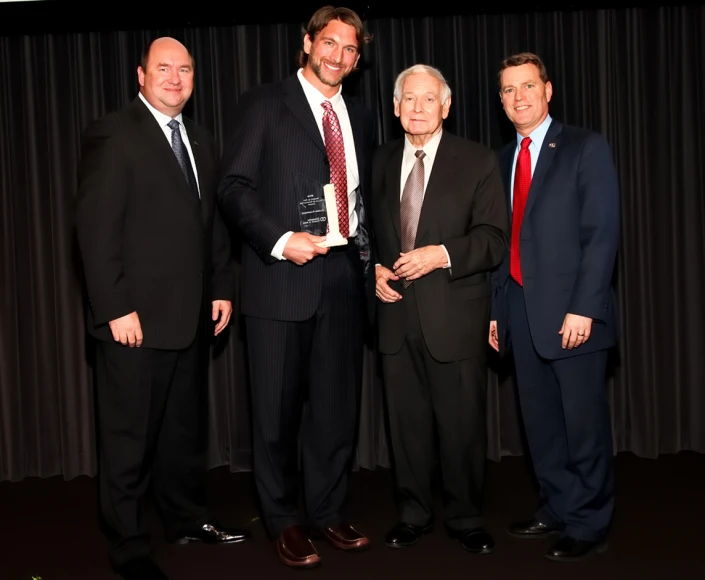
{"x": 148, "y": 244}
{"x": 464, "y": 209}
{"x": 568, "y": 243}
{"x": 275, "y": 159}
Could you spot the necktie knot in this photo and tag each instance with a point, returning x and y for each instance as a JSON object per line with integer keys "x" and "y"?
{"x": 173, "y": 124}
{"x": 525, "y": 142}
{"x": 327, "y": 106}
{"x": 420, "y": 154}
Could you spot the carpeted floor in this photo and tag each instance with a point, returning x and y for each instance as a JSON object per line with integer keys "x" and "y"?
{"x": 50, "y": 531}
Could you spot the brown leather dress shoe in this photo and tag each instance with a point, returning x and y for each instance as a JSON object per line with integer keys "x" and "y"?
{"x": 295, "y": 548}
{"x": 344, "y": 537}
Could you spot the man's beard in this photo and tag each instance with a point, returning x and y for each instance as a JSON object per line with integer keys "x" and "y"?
{"x": 317, "y": 68}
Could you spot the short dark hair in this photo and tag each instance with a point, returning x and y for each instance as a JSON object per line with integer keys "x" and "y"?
{"x": 320, "y": 20}
{"x": 148, "y": 47}
{"x": 520, "y": 59}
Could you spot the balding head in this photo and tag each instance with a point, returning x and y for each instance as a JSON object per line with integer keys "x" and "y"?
{"x": 165, "y": 75}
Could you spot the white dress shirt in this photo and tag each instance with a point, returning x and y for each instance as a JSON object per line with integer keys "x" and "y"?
{"x": 315, "y": 98}
{"x": 163, "y": 121}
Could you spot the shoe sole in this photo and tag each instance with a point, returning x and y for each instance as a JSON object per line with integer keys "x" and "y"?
{"x": 395, "y": 545}
{"x": 184, "y": 541}
{"x": 540, "y": 536}
{"x": 599, "y": 549}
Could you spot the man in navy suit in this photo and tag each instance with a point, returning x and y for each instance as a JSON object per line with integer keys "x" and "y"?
{"x": 554, "y": 306}
{"x": 303, "y": 302}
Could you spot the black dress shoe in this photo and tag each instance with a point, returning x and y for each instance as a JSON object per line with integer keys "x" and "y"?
{"x": 533, "y": 529}
{"x": 404, "y": 535}
{"x": 477, "y": 541}
{"x": 569, "y": 549}
{"x": 140, "y": 569}
{"x": 213, "y": 534}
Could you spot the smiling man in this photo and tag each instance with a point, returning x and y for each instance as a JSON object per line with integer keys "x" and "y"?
{"x": 304, "y": 302}
{"x": 159, "y": 280}
{"x": 440, "y": 225}
{"x": 554, "y": 307}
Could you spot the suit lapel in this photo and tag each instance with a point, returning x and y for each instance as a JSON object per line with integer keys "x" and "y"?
{"x": 438, "y": 184}
{"x": 202, "y": 167}
{"x": 392, "y": 181}
{"x": 548, "y": 152}
{"x": 295, "y": 99}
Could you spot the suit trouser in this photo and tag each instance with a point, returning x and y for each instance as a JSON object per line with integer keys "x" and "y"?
{"x": 151, "y": 434}
{"x": 566, "y": 416}
{"x": 431, "y": 401}
{"x": 305, "y": 383}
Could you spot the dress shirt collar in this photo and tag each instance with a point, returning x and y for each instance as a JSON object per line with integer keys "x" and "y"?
{"x": 161, "y": 118}
{"x": 537, "y": 135}
{"x": 430, "y": 149}
{"x": 316, "y": 97}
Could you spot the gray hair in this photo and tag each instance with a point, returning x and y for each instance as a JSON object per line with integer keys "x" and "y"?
{"x": 422, "y": 68}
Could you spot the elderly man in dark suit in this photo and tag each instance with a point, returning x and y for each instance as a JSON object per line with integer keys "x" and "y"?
{"x": 440, "y": 226}
{"x": 303, "y": 301}
{"x": 554, "y": 306}
{"x": 159, "y": 279}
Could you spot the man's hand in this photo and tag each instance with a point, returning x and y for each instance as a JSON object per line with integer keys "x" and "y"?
{"x": 575, "y": 330}
{"x": 494, "y": 339}
{"x": 301, "y": 248}
{"x": 419, "y": 262}
{"x": 127, "y": 330}
{"x": 382, "y": 288}
{"x": 222, "y": 309}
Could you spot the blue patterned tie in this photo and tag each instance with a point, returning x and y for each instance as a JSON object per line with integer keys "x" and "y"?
{"x": 182, "y": 155}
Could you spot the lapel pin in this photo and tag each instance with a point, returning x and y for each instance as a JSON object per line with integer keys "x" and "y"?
{"x": 551, "y": 144}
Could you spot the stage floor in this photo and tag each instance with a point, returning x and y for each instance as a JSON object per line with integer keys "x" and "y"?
{"x": 50, "y": 531}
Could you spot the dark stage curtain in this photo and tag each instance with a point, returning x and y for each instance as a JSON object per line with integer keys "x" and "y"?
{"x": 634, "y": 74}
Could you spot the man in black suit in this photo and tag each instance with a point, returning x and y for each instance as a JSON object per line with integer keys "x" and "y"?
{"x": 553, "y": 303}
{"x": 440, "y": 226}
{"x": 159, "y": 278}
{"x": 304, "y": 302}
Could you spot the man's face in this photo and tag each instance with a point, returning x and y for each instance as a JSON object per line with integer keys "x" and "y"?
{"x": 525, "y": 97}
{"x": 167, "y": 83}
{"x": 420, "y": 109}
{"x": 332, "y": 56}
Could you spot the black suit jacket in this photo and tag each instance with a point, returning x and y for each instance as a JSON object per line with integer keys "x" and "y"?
{"x": 569, "y": 240}
{"x": 464, "y": 209}
{"x": 148, "y": 244}
{"x": 277, "y": 157}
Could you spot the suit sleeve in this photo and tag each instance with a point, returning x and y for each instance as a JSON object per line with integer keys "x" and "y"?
{"x": 484, "y": 245}
{"x": 239, "y": 197}
{"x": 598, "y": 192}
{"x": 222, "y": 267}
{"x": 100, "y": 214}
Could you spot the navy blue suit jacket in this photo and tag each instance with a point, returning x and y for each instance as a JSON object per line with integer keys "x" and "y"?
{"x": 568, "y": 242}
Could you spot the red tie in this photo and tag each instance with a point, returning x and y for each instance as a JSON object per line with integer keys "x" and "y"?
{"x": 522, "y": 183}
{"x": 335, "y": 149}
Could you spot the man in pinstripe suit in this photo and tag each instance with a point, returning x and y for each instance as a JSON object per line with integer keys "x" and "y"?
{"x": 304, "y": 304}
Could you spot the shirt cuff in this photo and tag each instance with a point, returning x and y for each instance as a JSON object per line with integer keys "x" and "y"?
{"x": 278, "y": 249}
{"x": 447, "y": 256}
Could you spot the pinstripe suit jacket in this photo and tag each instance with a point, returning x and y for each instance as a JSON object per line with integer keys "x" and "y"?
{"x": 276, "y": 156}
